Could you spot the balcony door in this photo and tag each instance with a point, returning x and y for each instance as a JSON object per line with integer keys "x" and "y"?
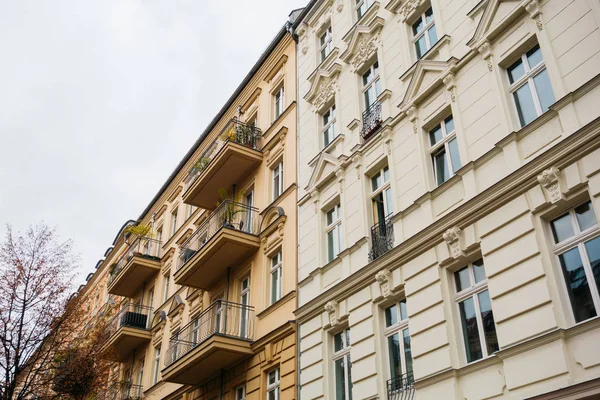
{"x": 244, "y": 304}
{"x": 217, "y": 318}
{"x": 248, "y": 217}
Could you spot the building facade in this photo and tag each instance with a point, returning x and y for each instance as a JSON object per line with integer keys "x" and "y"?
{"x": 449, "y": 199}
{"x": 200, "y": 290}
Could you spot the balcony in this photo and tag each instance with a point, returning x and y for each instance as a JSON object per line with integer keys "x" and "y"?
{"x": 121, "y": 391}
{"x": 225, "y": 239}
{"x": 382, "y": 239}
{"x": 226, "y": 161}
{"x": 128, "y": 330}
{"x": 401, "y": 387}
{"x": 137, "y": 265}
{"x": 216, "y": 339}
{"x": 371, "y": 121}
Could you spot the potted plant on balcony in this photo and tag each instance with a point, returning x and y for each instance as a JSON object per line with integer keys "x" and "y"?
{"x": 202, "y": 163}
{"x": 112, "y": 268}
{"x": 229, "y": 210}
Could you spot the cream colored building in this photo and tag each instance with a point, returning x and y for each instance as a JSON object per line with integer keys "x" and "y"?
{"x": 449, "y": 199}
{"x": 201, "y": 306}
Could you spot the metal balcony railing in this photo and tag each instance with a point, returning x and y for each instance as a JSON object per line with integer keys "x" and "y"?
{"x": 401, "y": 387}
{"x": 382, "y": 239}
{"x": 371, "y": 121}
{"x": 222, "y": 318}
{"x": 229, "y": 215}
{"x": 132, "y": 316}
{"x": 236, "y": 132}
{"x": 121, "y": 391}
{"x": 142, "y": 246}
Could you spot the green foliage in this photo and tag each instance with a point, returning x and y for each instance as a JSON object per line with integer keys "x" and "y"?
{"x": 140, "y": 230}
{"x": 202, "y": 163}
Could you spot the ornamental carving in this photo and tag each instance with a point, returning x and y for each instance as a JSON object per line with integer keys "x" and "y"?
{"x": 550, "y": 181}
{"x": 324, "y": 94}
{"x": 332, "y": 308}
{"x": 407, "y": 9}
{"x": 452, "y": 238}
{"x": 450, "y": 84}
{"x": 384, "y": 278}
{"x": 365, "y": 49}
{"x": 486, "y": 52}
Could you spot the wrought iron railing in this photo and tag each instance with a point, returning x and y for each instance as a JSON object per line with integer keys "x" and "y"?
{"x": 382, "y": 238}
{"x": 121, "y": 391}
{"x": 371, "y": 121}
{"x": 236, "y": 132}
{"x": 132, "y": 316}
{"x": 143, "y": 247}
{"x": 401, "y": 387}
{"x": 222, "y": 318}
{"x": 229, "y": 215}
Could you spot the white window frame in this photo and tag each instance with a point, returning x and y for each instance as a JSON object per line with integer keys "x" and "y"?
{"x": 245, "y": 317}
{"x": 384, "y": 189}
{"x": 159, "y": 234}
{"x": 444, "y": 143}
{"x": 374, "y": 82}
{"x": 174, "y": 220}
{"x": 335, "y": 227}
{"x": 278, "y": 102}
{"x": 275, "y": 276}
{"x": 156, "y": 365}
{"x": 527, "y": 79}
{"x": 190, "y": 211}
{"x": 277, "y": 186}
{"x": 344, "y": 354}
{"x": 140, "y": 374}
{"x": 325, "y": 43}
{"x": 241, "y": 388}
{"x": 358, "y": 5}
{"x": 274, "y": 387}
{"x": 166, "y": 287}
{"x": 328, "y": 131}
{"x": 399, "y": 328}
{"x": 423, "y": 31}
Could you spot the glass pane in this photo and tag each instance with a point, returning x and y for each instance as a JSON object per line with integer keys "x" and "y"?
{"x": 340, "y": 380}
{"x": 338, "y": 341}
{"x": 391, "y": 316}
{"x": 449, "y": 124}
{"x": 461, "y": 277}
{"x": 429, "y": 14}
{"x": 585, "y": 216}
{"x": 376, "y": 182}
{"x": 544, "y": 90}
{"x": 417, "y": 26}
{"x": 593, "y": 249}
{"x": 534, "y": 56}
{"x": 516, "y": 71}
{"x": 421, "y": 46}
{"x": 432, "y": 36}
{"x": 403, "y": 310}
{"x": 386, "y": 174}
{"x": 274, "y": 286}
{"x": 562, "y": 228}
{"x": 366, "y": 77}
{"x": 394, "y": 354}
{"x": 407, "y": 354}
{"x": 435, "y": 135}
{"x": 577, "y": 285}
{"x": 272, "y": 395}
{"x": 470, "y": 331}
{"x": 377, "y": 85}
{"x": 478, "y": 270}
{"x": 441, "y": 167}
{"x": 330, "y": 216}
{"x": 376, "y": 67}
{"x": 361, "y": 10}
{"x": 524, "y": 103}
{"x": 487, "y": 318}
{"x": 454, "y": 156}
{"x": 388, "y": 201}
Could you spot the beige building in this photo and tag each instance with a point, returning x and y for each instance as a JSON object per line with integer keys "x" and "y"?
{"x": 203, "y": 285}
{"x": 449, "y": 199}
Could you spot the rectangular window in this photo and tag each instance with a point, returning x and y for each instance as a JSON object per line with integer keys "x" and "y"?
{"x": 328, "y": 126}
{"x": 190, "y": 211}
{"x": 325, "y": 43}
{"x": 276, "y": 272}
{"x": 166, "y": 287}
{"x": 334, "y": 232}
{"x": 277, "y": 180}
{"x": 530, "y": 85}
{"x": 475, "y": 307}
{"x": 156, "y": 365}
{"x": 273, "y": 385}
{"x": 245, "y": 302}
{"x": 381, "y": 195}
{"x": 159, "y": 233}
{"x": 398, "y": 342}
{"x": 362, "y": 6}
{"x": 577, "y": 245}
{"x": 278, "y": 101}
{"x": 240, "y": 393}
{"x": 342, "y": 365}
{"x": 371, "y": 87}
{"x": 444, "y": 151}
{"x": 424, "y": 33}
{"x": 173, "y": 222}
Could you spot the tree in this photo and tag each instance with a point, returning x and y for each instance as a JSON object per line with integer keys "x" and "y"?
{"x": 40, "y": 323}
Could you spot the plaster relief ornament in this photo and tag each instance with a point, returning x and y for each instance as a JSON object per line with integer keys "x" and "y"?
{"x": 549, "y": 179}
{"x": 332, "y": 309}
{"x": 486, "y": 52}
{"x": 324, "y": 94}
{"x": 409, "y": 7}
{"x": 365, "y": 49}
{"x": 452, "y": 238}
{"x": 384, "y": 277}
{"x": 450, "y": 84}
{"x": 340, "y": 6}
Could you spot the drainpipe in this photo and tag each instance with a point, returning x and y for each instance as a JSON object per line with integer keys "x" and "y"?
{"x": 221, "y": 387}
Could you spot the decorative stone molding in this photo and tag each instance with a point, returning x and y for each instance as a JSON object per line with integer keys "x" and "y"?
{"x": 409, "y": 8}
{"x": 365, "y": 49}
{"x": 314, "y": 195}
{"x": 412, "y": 116}
{"x": 550, "y": 181}
{"x": 450, "y": 83}
{"x": 332, "y": 307}
{"x": 486, "y": 52}
{"x": 340, "y": 6}
{"x": 384, "y": 278}
{"x": 453, "y": 240}
{"x": 387, "y": 139}
{"x": 533, "y": 8}
{"x": 339, "y": 173}
{"x": 325, "y": 93}
{"x": 357, "y": 160}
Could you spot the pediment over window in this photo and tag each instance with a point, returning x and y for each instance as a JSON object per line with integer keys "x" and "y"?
{"x": 318, "y": 16}
{"x": 323, "y": 85}
{"x": 407, "y": 9}
{"x": 324, "y": 168}
{"x": 427, "y": 76}
{"x": 496, "y": 17}
{"x": 362, "y": 42}
{"x": 176, "y": 305}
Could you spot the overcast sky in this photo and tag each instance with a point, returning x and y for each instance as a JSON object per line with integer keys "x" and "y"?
{"x": 100, "y": 99}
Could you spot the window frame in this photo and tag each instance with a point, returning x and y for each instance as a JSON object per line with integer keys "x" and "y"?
{"x": 174, "y": 215}
{"x": 443, "y": 145}
{"x": 358, "y": 5}
{"x": 156, "y": 368}
{"x": 325, "y": 43}
{"x": 275, "y": 386}
{"x": 343, "y": 354}
{"x": 237, "y": 392}
{"x": 278, "y": 102}
{"x": 277, "y": 188}
{"x": 374, "y": 81}
{"x": 383, "y": 189}
{"x": 423, "y": 32}
{"x": 335, "y": 227}
{"x": 398, "y": 328}
{"x": 276, "y": 273}
{"x": 329, "y": 125}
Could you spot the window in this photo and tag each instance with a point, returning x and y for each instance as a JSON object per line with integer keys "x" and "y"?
{"x": 475, "y": 307}
{"x": 362, "y": 6}
{"x": 444, "y": 151}
{"x": 190, "y": 211}
{"x": 530, "y": 85}
{"x": 325, "y": 43}
{"x": 278, "y": 101}
{"x": 240, "y": 393}
{"x": 248, "y": 218}
{"x": 398, "y": 342}
{"x": 156, "y": 365}
{"x": 577, "y": 246}
{"x": 151, "y": 298}
{"x": 328, "y": 123}
{"x": 342, "y": 365}
{"x": 273, "y": 385}
{"x": 166, "y": 287}
{"x": 276, "y": 271}
{"x": 371, "y": 86}
{"x": 334, "y": 232}
{"x": 173, "y": 222}
{"x": 424, "y": 33}
{"x": 140, "y": 375}
{"x": 159, "y": 233}
{"x": 245, "y": 303}
{"x": 277, "y": 180}
{"x": 381, "y": 195}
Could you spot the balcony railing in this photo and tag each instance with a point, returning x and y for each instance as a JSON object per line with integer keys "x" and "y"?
{"x": 229, "y": 215}
{"x": 371, "y": 121}
{"x": 142, "y": 246}
{"x": 382, "y": 239}
{"x": 131, "y": 316}
{"x": 235, "y": 132}
{"x": 220, "y": 318}
{"x": 401, "y": 387}
{"x": 121, "y": 391}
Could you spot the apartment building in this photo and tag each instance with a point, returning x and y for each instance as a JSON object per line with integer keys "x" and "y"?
{"x": 449, "y": 199}
{"x": 201, "y": 288}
